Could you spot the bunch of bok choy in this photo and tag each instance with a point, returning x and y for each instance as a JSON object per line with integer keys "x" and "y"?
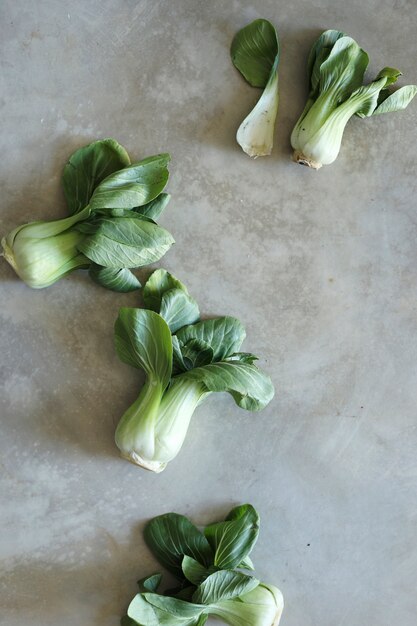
{"x": 336, "y": 68}
{"x": 112, "y": 205}
{"x": 255, "y": 53}
{"x": 184, "y": 360}
{"x": 208, "y": 569}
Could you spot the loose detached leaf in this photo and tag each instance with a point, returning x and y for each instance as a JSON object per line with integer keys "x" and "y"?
{"x": 132, "y": 186}
{"x": 171, "y": 537}
{"x": 87, "y": 167}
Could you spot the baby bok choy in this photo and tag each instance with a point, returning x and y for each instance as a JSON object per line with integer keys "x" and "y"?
{"x": 112, "y": 205}
{"x": 336, "y": 68}
{"x": 255, "y": 53}
{"x": 184, "y": 360}
{"x": 207, "y": 566}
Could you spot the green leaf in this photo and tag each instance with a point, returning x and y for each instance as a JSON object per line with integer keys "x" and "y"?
{"x": 87, "y": 167}
{"x": 250, "y": 388}
{"x": 154, "y": 208}
{"x": 243, "y": 357}
{"x": 170, "y": 537}
{"x": 364, "y": 100}
{"x": 125, "y": 242}
{"x": 246, "y": 564}
{"x": 255, "y": 50}
{"x": 233, "y": 539}
{"x": 194, "y": 571}
{"x": 158, "y": 283}
{"x": 178, "y": 309}
{"x": 224, "y": 585}
{"x": 132, "y": 186}
{"x": 344, "y": 68}
{"x": 121, "y": 280}
{"x": 168, "y": 296}
{"x": 196, "y": 353}
{"x": 223, "y": 334}
{"x": 174, "y": 606}
{"x": 390, "y": 73}
{"x": 397, "y": 101}
{"x": 150, "y": 583}
{"x": 319, "y": 53}
{"x": 143, "y": 340}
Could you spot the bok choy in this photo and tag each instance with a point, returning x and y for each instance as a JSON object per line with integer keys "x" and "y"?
{"x": 336, "y": 68}
{"x": 113, "y": 205}
{"x": 208, "y": 568}
{"x": 184, "y": 360}
{"x": 255, "y": 53}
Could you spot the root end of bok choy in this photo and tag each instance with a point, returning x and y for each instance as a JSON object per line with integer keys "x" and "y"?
{"x": 112, "y": 205}
{"x": 152, "y": 466}
{"x": 184, "y": 360}
{"x": 255, "y": 53}
{"x": 302, "y": 159}
{"x": 336, "y": 68}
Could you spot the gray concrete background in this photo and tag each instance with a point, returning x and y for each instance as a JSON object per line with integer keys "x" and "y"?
{"x": 319, "y": 266}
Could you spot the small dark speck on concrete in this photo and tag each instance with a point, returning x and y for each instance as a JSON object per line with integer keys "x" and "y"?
{"x": 308, "y": 545}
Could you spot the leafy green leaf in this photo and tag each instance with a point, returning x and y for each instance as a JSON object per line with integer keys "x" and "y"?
{"x": 233, "y": 539}
{"x": 178, "y": 309}
{"x": 243, "y": 357}
{"x": 143, "y": 340}
{"x": 319, "y": 53}
{"x": 397, "y": 101}
{"x": 174, "y": 606}
{"x": 223, "y": 334}
{"x": 196, "y": 353}
{"x": 250, "y": 388}
{"x": 121, "y": 280}
{"x": 125, "y": 242}
{"x": 132, "y": 186}
{"x": 146, "y": 612}
{"x": 391, "y": 74}
{"x": 171, "y": 537}
{"x": 150, "y": 583}
{"x": 158, "y": 283}
{"x": 255, "y": 50}
{"x": 154, "y": 208}
{"x": 87, "y": 167}
{"x": 246, "y": 564}
{"x": 194, "y": 571}
{"x": 344, "y": 68}
{"x": 224, "y": 585}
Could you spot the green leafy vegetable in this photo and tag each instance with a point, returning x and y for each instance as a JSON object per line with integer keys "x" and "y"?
{"x": 205, "y": 587}
{"x": 113, "y": 205}
{"x": 336, "y": 68}
{"x": 184, "y": 360}
{"x": 255, "y": 53}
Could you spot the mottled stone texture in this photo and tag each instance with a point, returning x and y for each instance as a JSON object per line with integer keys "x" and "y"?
{"x": 320, "y": 267}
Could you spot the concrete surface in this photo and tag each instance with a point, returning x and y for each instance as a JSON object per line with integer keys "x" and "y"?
{"x": 320, "y": 267}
